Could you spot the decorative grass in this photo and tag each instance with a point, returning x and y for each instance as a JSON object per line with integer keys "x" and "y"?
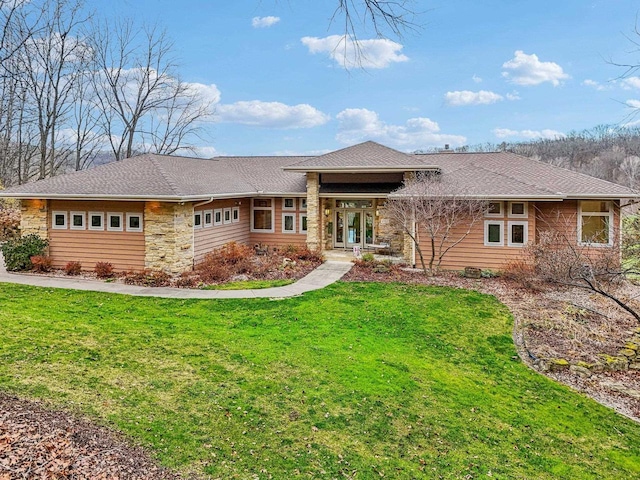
{"x": 355, "y": 380}
{"x": 250, "y": 284}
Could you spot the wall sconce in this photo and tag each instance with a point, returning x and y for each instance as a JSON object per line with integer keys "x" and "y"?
{"x": 327, "y": 211}
{"x": 238, "y": 203}
{"x": 377, "y": 213}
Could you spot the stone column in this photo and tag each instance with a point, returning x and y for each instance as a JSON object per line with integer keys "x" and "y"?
{"x": 35, "y": 218}
{"x": 168, "y": 236}
{"x": 314, "y": 210}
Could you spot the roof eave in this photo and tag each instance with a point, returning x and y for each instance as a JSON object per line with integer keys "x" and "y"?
{"x": 122, "y": 198}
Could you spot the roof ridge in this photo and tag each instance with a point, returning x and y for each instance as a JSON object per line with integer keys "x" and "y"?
{"x": 163, "y": 173}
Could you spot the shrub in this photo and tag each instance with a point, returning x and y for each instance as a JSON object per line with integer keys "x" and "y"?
{"x": 148, "y": 278}
{"x": 73, "y": 268}
{"x": 522, "y": 272}
{"x": 18, "y": 252}
{"x": 9, "y": 223}
{"x": 41, "y": 263}
{"x": 103, "y": 270}
{"x": 303, "y": 252}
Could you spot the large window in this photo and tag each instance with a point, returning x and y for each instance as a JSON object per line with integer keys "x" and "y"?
{"x": 303, "y": 223}
{"x": 288, "y": 223}
{"x": 493, "y": 235}
{"x": 518, "y": 234}
{"x": 595, "y": 223}
{"x": 262, "y": 215}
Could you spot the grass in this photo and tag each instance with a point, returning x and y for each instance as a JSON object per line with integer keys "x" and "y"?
{"x": 250, "y": 284}
{"x": 356, "y": 379}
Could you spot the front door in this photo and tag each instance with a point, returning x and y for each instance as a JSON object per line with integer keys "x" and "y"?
{"x": 353, "y": 227}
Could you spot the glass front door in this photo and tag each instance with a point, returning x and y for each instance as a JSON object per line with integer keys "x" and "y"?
{"x": 353, "y": 227}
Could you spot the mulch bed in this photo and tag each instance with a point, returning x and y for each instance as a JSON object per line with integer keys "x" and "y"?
{"x": 38, "y": 443}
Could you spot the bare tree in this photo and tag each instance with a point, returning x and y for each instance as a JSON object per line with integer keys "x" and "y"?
{"x": 393, "y": 16}
{"x": 441, "y": 211}
{"x": 143, "y": 105}
{"x": 558, "y": 258}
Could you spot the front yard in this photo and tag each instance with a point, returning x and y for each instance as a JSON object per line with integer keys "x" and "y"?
{"x": 356, "y": 380}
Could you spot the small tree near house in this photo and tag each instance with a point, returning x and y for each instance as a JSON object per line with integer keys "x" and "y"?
{"x": 427, "y": 205}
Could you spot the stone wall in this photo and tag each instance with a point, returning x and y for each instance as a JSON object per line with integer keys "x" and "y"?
{"x": 168, "y": 235}
{"x": 314, "y": 226}
{"x": 35, "y": 218}
{"x": 385, "y": 231}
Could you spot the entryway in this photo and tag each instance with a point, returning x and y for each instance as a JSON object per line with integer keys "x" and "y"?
{"x": 353, "y": 227}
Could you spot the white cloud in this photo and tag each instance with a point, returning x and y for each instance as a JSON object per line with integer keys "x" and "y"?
{"x": 271, "y": 114}
{"x": 264, "y": 22}
{"x": 513, "y": 96}
{"x": 529, "y": 134}
{"x": 593, "y": 84}
{"x": 209, "y": 94}
{"x": 476, "y": 78}
{"x": 525, "y": 69}
{"x": 348, "y": 53}
{"x": 467, "y": 97}
{"x": 206, "y": 152}
{"x": 630, "y": 83}
{"x": 360, "y": 124}
{"x": 633, "y": 103}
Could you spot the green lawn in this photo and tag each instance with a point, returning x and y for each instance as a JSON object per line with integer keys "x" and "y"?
{"x": 250, "y": 284}
{"x": 353, "y": 380}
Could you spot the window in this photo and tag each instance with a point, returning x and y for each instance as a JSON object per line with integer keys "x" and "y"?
{"x": 518, "y": 210}
{"x": 303, "y": 204}
{"x": 217, "y": 216}
{"x": 134, "y": 222}
{"x": 262, "y": 215}
{"x": 288, "y": 223}
{"x": 59, "y": 220}
{"x": 494, "y": 209}
{"x": 288, "y": 203}
{"x": 595, "y": 224}
{"x": 235, "y": 214}
{"x": 197, "y": 220}
{"x": 114, "y": 222}
{"x": 227, "y": 215}
{"x": 96, "y": 221}
{"x": 493, "y": 233}
{"x": 303, "y": 223}
{"x": 208, "y": 218}
{"x": 77, "y": 220}
{"x": 518, "y": 234}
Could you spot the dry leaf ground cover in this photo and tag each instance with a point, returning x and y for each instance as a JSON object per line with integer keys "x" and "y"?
{"x": 358, "y": 380}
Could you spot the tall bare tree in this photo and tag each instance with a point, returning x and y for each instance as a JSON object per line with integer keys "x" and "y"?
{"x": 427, "y": 205}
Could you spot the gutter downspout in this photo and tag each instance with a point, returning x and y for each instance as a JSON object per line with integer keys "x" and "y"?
{"x": 193, "y": 231}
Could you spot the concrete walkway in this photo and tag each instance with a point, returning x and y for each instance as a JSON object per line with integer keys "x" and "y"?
{"x": 326, "y": 274}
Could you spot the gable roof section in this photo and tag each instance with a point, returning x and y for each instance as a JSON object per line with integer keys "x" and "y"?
{"x": 365, "y": 157}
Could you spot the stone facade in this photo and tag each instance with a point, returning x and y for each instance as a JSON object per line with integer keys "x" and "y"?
{"x": 35, "y": 218}
{"x": 168, "y": 236}
{"x": 314, "y": 224}
{"x": 384, "y": 229}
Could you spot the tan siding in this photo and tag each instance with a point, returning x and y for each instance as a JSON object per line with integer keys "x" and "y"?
{"x": 207, "y": 239}
{"x": 124, "y": 250}
{"x": 277, "y": 238}
{"x": 471, "y": 252}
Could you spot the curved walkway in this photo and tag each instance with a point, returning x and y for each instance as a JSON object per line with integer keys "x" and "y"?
{"x": 326, "y": 274}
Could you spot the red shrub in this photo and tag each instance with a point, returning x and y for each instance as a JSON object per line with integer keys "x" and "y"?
{"x": 41, "y": 263}
{"x": 103, "y": 270}
{"x": 148, "y": 278}
{"x": 9, "y": 223}
{"x": 73, "y": 268}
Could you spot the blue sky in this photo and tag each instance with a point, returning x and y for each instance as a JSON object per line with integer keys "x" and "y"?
{"x": 472, "y": 72}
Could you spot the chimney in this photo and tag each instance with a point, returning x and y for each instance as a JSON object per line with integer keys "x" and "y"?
{"x": 446, "y": 146}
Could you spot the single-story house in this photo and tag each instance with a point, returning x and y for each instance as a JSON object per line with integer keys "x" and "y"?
{"x": 168, "y": 212}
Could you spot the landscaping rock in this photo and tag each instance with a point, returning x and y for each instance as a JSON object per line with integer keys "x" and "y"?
{"x": 627, "y": 352}
{"x": 472, "y": 272}
{"x": 634, "y": 366}
{"x": 581, "y": 371}
{"x": 558, "y": 364}
{"x": 621, "y": 388}
{"x": 613, "y": 364}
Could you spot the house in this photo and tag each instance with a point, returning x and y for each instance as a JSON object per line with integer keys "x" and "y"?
{"x": 168, "y": 212}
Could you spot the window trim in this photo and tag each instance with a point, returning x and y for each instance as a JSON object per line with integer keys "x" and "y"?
{"x": 53, "y": 220}
{"x": 518, "y": 215}
{"x": 271, "y": 208}
{"x": 197, "y": 214}
{"x": 487, "y": 243}
{"x": 303, "y": 204}
{"x": 510, "y": 243}
{"x": 204, "y": 219}
{"x": 596, "y": 214}
{"x": 84, "y": 220}
{"x": 293, "y": 223}
{"x": 134, "y": 214}
{"x": 89, "y": 222}
{"x": 235, "y": 214}
{"x": 495, "y": 215}
{"x": 303, "y": 230}
{"x": 113, "y": 229}
{"x": 216, "y": 212}
{"x": 226, "y": 212}
{"x": 293, "y": 203}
